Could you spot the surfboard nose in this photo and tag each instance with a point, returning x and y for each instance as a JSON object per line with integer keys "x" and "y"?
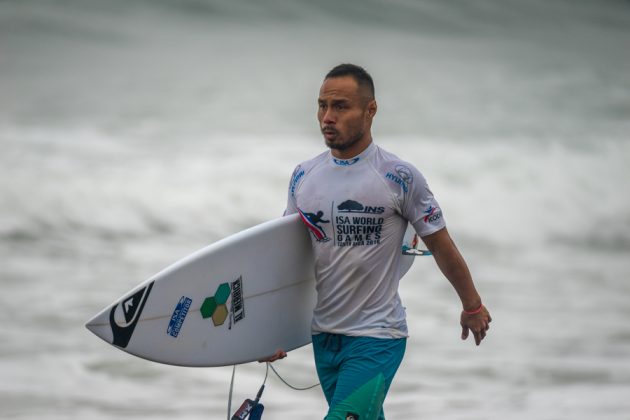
{"x": 99, "y": 326}
{"x": 91, "y": 325}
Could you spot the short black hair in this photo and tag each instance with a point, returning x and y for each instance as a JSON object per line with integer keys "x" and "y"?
{"x": 358, "y": 73}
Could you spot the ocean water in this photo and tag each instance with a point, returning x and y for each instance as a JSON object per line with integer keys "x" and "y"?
{"x": 135, "y": 132}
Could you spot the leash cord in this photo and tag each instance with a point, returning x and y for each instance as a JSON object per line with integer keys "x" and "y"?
{"x": 229, "y": 407}
{"x": 288, "y": 384}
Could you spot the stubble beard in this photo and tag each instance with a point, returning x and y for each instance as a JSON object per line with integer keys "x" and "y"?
{"x": 344, "y": 145}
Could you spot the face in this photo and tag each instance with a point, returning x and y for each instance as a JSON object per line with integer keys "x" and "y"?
{"x": 345, "y": 116}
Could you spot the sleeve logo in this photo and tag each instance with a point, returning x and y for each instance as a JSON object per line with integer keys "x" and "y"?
{"x": 295, "y": 179}
{"x": 403, "y": 177}
{"x": 432, "y": 214}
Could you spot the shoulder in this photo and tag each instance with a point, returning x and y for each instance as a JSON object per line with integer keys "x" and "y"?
{"x": 398, "y": 173}
{"x": 302, "y": 169}
{"x": 308, "y": 165}
{"x": 317, "y": 160}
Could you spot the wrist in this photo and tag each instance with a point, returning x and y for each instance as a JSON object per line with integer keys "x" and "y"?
{"x": 470, "y": 301}
{"x": 474, "y": 311}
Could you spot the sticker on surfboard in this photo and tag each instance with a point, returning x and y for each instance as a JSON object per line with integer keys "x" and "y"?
{"x": 215, "y": 307}
{"x": 124, "y": 316}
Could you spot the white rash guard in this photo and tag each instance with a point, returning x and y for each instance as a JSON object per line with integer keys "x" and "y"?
{"x": 357, "y": 211}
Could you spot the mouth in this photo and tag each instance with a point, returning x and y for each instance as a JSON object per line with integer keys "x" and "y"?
{"x": 329, "y": 133}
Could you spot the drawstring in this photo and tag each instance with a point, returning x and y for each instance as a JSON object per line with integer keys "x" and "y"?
{"x": 327, "y": 343}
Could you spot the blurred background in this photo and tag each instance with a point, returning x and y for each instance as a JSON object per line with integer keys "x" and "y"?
{"x": 133, "y": 132}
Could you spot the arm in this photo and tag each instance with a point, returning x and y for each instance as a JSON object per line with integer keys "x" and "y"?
{"x": 475, "y": 317}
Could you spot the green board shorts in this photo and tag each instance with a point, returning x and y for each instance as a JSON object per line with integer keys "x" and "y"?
{"x": 355, "y": 373}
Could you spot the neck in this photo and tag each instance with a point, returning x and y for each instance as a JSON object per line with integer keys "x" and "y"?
{"x": 354, "y": 150}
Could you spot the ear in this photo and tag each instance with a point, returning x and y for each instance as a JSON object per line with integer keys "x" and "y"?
{"x": 372, "y": 108}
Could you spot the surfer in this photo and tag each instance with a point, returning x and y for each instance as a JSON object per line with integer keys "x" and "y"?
{"x": 359, "y": 327}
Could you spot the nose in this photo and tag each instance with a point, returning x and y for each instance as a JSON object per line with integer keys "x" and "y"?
{"x": 329, "y": 116}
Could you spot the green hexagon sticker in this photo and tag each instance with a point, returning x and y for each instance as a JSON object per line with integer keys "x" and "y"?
{"x": 215, "y": 307}
{"x": 207, "y": 307}
{"x": 222, "y": 294}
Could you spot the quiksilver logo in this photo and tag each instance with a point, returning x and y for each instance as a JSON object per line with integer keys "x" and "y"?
{"x": 131, "y": 307}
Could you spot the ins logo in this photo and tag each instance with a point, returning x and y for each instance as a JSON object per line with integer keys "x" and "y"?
{"x": 351, "y": 206}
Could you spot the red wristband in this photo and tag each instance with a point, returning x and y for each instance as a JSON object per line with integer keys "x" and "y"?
{"x": 475, "y": 312}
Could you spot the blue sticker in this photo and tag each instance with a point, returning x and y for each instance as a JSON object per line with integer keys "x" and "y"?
{"x": 178, "y": 317}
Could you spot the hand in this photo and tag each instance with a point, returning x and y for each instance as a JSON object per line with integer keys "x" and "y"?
{"x": 279, "y": 354}
{"x": 478, "y": 323}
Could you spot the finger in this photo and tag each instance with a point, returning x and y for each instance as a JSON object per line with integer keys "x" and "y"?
{"x": 482, "y": 336}
{"x": 274, "y": 358}
{"x": 279, "y": 354}
{"x": 477, "y": 338}
{"x": 464, "y": 333}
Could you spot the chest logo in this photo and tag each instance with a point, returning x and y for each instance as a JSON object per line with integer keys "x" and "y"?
{"x": 351, "y": 206}
{"x": 358, "y": 225}
{"x": 348, "y": 162}
{"x": 312, "y": 222}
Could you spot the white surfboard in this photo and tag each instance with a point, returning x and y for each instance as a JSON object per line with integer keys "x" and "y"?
{"x": 235, "y": 301}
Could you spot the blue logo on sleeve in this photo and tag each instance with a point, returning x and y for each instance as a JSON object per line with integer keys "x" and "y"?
{"x": 295, "y": 179}
{"x": 178, "y": 317}
{"x": 403, "y": 177}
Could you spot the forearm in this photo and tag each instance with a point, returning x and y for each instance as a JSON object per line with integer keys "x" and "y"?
{"x": 454, "y": 268}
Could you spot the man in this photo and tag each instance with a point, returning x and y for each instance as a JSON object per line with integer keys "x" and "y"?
{"x": 357, "y": 200}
